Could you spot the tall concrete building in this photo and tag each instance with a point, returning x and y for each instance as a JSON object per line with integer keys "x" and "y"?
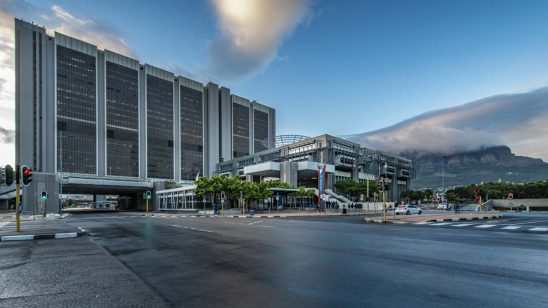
{"x": 96, "y": 122}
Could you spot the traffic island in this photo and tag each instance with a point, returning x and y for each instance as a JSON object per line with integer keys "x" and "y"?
{"x": 432, "y": 218}
{"x": 39, "y": 230}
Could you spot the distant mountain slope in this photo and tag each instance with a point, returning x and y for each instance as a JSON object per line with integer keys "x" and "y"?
{"x": 484, "y": 165}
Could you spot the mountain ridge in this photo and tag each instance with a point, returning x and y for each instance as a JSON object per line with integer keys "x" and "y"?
{"x": 488, "y": 164}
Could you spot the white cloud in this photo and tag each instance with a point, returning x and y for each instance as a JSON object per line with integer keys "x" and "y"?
{"x": 97, "y": 32}
{"x": 252, "y": 32}
{"x": 517, "y": 120}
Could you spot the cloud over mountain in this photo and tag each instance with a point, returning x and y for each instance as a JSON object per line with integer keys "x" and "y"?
{"x": 252, "y": 32}
{"x": 517, "y": 120}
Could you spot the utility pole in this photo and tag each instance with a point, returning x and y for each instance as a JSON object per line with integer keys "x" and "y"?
{"x": 204, "y": 202}
{"x": 384, "y": 206}
{"x": 242, "y": 203}
{"x": 442, "y": 175}
{"x": 61, "y": 171}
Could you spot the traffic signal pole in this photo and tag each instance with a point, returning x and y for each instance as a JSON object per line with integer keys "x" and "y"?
{"x": 384, "y": 205}
{"x": 17, "y": 199}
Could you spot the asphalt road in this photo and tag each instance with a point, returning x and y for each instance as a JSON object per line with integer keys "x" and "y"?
{"x": 281, "y": 262}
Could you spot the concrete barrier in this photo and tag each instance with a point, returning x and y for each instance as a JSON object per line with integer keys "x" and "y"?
{"x": 523, "y": 204}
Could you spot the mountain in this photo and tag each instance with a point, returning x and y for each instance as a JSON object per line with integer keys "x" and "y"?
{"x": 488, "y": 164}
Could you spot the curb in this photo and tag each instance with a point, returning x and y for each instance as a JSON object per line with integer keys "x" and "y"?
{"x": 368, "y": 220}
{"x": 30, "y": 237}
{"x": 464, "y": 219}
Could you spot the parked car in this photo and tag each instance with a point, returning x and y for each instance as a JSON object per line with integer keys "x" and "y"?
{"x": 408, "y": 210}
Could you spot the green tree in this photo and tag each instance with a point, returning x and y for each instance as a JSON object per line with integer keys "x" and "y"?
{"x": 170, "y": 184}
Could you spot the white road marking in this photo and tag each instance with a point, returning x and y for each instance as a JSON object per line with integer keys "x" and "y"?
{"x": 82, "y": 229}
{"x": 485, "y": 226}
{"x": 511, "y": 227}
{"x": 3, "y": 224}
{"x": 17, "y": 238}
{"x": 66, "y": 235}
{"x": 177, "y": 226}
{"x": 256, "y": 222}
{"x": 422, "y": 223}
{"x": 265, "y": 226}
{"x": 531, "y": 222}
{"x": 462, "y": 225}
{"x": 538, "y": 229}
{"x": 441, "y": 224}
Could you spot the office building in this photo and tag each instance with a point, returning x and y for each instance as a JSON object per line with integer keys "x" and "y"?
{"x": 97, "y": 122}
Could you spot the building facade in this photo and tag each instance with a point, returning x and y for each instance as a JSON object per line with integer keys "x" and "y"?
{"x": 86, "y": 113}
{"x": 298, "y": 163}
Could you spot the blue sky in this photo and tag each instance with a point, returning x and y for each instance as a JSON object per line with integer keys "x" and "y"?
{"x": 355, "y": 66}
{"x": 341, "y": 67}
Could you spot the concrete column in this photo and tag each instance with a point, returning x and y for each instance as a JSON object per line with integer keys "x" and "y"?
{"x": 176, "y": 131}
{"x": 225, "y": 107}
{"x": 211, "y": 95}
{"x": 101, "y": 115}
{"x": 142, "y": 124}
{"x": 288, "y": 173}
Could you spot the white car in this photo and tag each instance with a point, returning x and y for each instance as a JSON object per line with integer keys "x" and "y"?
{"x": 408, "y": 210}
{"x": 444, "y": 206}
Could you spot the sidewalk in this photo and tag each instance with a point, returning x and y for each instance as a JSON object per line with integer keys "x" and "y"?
{"x": 433, "y": 217}
{"x": 10, "y": 216}
{"x": 272, "y": 214}
{"x": 38, "y": 229}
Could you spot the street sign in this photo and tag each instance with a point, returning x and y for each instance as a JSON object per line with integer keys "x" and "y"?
{"x": 362, "y": 197}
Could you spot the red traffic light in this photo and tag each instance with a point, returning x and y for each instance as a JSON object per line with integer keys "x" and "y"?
{"x": 27, "y": 175}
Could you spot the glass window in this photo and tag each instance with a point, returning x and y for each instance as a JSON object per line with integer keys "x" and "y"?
{"x": 159, "y": 128}
{"x": 76, "y": 109}
{"x": 191, "y": 133}
{"x": 240, "y": 130}
{"x": 260, "y": 129}
{"x": 122, "y": 105}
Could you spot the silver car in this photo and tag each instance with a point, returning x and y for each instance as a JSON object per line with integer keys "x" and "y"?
{"x": 408, "y": 210}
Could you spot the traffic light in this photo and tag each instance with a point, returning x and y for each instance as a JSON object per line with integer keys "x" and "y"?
{"x": 148, "y": 195}
{"x": 380, "y": 185}
{"x": 44, "y": 195}
{"x": 26, "y": 172}
{"x": 386, "y": 186}
{"x": 222, "y": 195}
{"x": 8, "y": 173}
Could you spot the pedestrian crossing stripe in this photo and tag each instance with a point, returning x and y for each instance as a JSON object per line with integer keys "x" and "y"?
{"x": 485, "y": 226}
{"x": 441, "y": 224}
{"x": 461, "y": 225}
{"x": 538, "y": 229}
{"x": 511, "y": 227}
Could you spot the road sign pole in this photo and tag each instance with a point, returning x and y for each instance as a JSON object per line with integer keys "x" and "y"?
{"x": 146, "y": 206}
{"x": 384, "y": 205}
